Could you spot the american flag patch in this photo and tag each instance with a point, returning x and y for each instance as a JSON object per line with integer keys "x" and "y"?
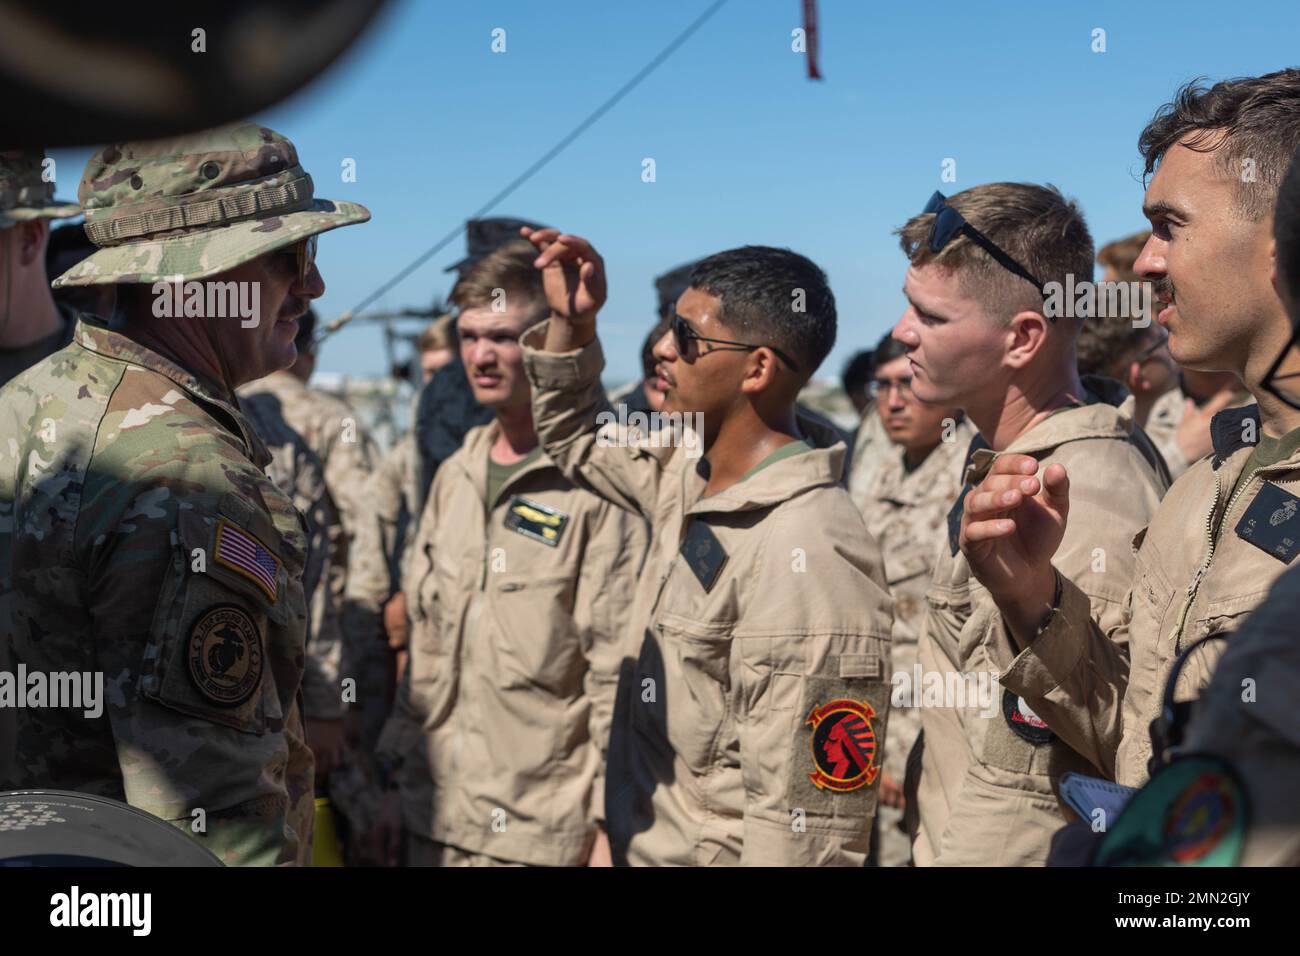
{"x": 245, "y": 554}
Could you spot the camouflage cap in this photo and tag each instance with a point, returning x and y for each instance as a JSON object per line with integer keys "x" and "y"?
{"x": 195, "y": 206}
{"x": 24, "y": 193}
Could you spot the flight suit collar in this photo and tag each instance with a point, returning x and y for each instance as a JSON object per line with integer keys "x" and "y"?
{"x": 1227, "y": 434}
{"x": 473, "y": 460}
{"x": 93, "y": 335}
{"x": 782, "y": 480}
{"x": 1108, "y": 412}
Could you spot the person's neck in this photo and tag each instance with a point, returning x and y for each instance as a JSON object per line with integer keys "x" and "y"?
{"x": 915, "y": 457}
{"x": 32, "y": 315}
{"x": 1273, "y": 334}
{"x": 743, "y": 440}
{"x": 1023, "y": 403}
{"x": 183, "y": 342}
{"x": 517, "y": 436}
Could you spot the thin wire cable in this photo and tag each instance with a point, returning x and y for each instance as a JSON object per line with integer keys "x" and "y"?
{"x": 528, "y": 173}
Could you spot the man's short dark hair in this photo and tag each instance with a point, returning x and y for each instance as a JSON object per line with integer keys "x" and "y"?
{"x": 1260, "y": 117}
{"x": 1286, "y": 230}
{"x": 888, "y": 350}
{"x": 1107, "y": 345}
{"x": 858, "y": 371}
{"x": 772, "y": 297}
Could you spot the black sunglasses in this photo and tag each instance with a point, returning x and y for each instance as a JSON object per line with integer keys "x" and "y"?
{"x": 683, "y": 333}
{"x": 948, "y": 223}
{"x": 1271, "y": 377}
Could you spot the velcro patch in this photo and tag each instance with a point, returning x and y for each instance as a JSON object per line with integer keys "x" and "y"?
{"x": 244, "y": 554}
{"x": 536, "y": 521}
{"x": 703, "y": 553}
{"x": 1192, "y": 812}
{"x": 225, "y": 655}
{"x": 1022, "y": 720}
{"x": 1271, "y": 523}
{"x": 838, "y": 744}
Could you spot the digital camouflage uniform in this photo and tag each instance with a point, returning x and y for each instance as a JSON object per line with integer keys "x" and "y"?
{"x": 907, "y": 513}
{"x": 299, "y": 473}
{"x": 870, "y": 446}
{"x": 25, "y": 196}
{"x": 140, "y": 537}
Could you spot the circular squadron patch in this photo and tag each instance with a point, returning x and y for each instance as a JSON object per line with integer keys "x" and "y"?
{"x": 1023, "y": 721}
{"x": 843, "y": 745}
{"x": 225, "y": 654}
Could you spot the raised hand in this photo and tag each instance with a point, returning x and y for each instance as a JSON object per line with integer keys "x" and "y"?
{"x": 1011, "y": 526}
{"x": 572, "y": 272}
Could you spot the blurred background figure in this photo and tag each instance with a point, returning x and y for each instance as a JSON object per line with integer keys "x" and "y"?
{"x": 1174, "y": 405}
{"x": 915, "y": 483}
{"x": 1116, "y": 348}
{"x": 32, "y": 326}
{"x": 870, "y": 444}
{"x": 68, "y": 245}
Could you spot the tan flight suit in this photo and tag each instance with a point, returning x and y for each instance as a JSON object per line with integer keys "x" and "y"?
{"x": 986, "y": 792}
{"x": 518, "y": 632}
{"x": 907, "y": 513}
{"x": 1195, "y": 575}
{"x": 1162, "y": 427}
{"x": 748, "y": 730}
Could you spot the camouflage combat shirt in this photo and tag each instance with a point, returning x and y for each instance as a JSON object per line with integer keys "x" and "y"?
{"x": 141, "y": 540}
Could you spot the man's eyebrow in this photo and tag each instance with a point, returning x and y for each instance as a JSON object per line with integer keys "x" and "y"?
{"x": 1162, "y": 208}
{"x": 921, "y": 308}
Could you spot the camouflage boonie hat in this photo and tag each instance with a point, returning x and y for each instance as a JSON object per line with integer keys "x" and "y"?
{"x": 195, "y": 206}
{"x": 24, "y": 195}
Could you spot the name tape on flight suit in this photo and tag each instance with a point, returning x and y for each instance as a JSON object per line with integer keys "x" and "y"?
{"x": 536, "y": 521}
{"x": 1271, "y": 523}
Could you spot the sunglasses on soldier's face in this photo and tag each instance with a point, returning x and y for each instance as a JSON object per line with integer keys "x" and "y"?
{"x": 683, "y": 333}
{"x": 303, "y": 254}
{"x": 949, "y": 223}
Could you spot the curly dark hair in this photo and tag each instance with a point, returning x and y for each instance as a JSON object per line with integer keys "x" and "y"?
{"x": 1252, "y": 119}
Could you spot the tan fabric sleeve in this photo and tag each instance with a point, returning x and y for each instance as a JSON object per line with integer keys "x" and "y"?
{"x": 568, "y": 407}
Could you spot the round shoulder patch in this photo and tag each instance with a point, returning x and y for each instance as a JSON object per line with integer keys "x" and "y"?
{"x": 843, "y": 745}
{"x": 1023, "y": 721}
{"x": 1193, "y": 812}
{"x": 225, "y": 655}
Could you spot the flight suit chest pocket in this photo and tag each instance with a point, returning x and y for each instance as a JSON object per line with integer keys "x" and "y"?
{"x": 694, "y": 687}
{"x": 222, "y": 609}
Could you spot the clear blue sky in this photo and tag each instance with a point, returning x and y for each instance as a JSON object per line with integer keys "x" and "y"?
{"x": 747, "y": 149}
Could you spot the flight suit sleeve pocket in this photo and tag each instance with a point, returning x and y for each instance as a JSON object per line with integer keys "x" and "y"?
{"x": 206, "y": 654}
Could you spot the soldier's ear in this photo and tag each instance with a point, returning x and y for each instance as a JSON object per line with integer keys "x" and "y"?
{"x": 32, "y": 237}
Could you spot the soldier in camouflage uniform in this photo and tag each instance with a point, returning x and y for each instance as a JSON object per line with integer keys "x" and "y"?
{"x": 31, "y": 325}
{"x": 905, "y": 507}
{"x": 140, "y": 538}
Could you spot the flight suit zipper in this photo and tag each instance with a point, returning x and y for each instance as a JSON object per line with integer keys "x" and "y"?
{"x": 1211, "y": 534}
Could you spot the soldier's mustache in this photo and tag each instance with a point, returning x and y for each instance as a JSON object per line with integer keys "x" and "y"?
{"x": 1163, "y": 289}
{"x": 293, "y": 309}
